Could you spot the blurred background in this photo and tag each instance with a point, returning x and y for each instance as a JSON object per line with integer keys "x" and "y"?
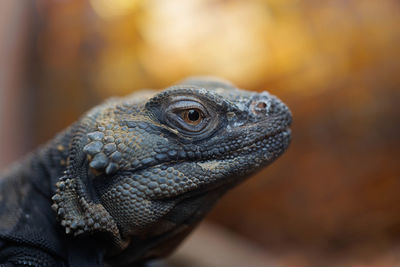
{"x": 332, "y": 200}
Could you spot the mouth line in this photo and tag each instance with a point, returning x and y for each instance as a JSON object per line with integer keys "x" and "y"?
{"x": 248, "y": 145}
{"x": 243, "y": 149}
{"x": 224, "y": 183}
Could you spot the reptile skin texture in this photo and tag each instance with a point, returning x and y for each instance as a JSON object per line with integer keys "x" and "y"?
{"x": 129, "y": 180}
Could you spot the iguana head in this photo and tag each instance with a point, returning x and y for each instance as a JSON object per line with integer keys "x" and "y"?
{"x": 146, "y": 169}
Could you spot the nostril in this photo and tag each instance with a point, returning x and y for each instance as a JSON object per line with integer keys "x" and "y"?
{"x": 259, "y": 107}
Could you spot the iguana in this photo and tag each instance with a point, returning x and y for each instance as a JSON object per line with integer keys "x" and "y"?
{"x": 128, "y": 181}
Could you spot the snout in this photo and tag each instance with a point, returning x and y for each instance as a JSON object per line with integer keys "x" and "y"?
{"x": 266, "y": 106}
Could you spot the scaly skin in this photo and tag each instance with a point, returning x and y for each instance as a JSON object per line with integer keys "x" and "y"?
{"x": 135, "y": 175}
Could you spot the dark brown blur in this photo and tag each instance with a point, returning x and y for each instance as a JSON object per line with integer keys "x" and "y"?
{"x": 334, "y": 196}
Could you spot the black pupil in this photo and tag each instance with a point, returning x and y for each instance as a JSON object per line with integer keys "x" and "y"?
{"x": 193, "y": 115}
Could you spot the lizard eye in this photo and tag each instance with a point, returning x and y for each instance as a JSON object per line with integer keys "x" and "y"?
{"x": 192, "y": 116}
{"x": 188, "y": 116}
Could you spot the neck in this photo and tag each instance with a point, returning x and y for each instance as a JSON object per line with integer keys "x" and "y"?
{"x": 26, "y": 189}
{"x": 43, "y": 167}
